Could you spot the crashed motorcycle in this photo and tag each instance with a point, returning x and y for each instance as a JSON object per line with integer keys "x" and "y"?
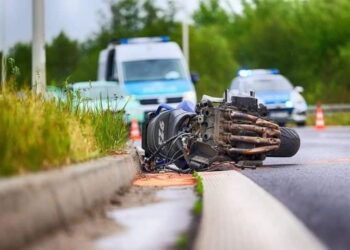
{"x": 216, "y": 134}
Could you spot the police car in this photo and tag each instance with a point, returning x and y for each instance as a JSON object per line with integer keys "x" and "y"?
{"x": 283, "y": 101}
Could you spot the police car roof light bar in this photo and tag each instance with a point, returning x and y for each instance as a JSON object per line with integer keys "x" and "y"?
{"x": 138, "y": 40}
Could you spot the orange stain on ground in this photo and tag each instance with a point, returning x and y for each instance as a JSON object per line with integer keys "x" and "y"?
{"x": 164, "y": 180}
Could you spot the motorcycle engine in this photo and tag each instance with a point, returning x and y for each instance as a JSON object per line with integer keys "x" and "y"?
{"x": 232, "y": 131}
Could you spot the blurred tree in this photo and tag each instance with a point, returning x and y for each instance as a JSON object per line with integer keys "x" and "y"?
{"x": 129, "y": 18}
{"x": 210, "y": 59}
{"x": 22, "y": 55}
{"x": 302, "y": 38}
{"x": 62, "y": 59}
{"x": 0, "y": 66}
{"x": 158, "y": 21}
{"x": 132, "y": 18}
{"x": 307, "y": 40}
{"x": 89, "y": 50}
{"x": 211, "y": 13}
{"x": 125, "y": 20}
{"x": 265, "y": 36}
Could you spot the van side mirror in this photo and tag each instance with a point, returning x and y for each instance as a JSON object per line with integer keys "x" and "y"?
{"x": 195, "y": 77}
{"x": 299, "y": 89}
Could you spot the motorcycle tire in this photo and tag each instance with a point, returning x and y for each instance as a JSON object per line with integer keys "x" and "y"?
{"x": 290, "y": 143}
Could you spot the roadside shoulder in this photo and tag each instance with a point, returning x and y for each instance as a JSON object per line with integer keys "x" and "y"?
{"x": 34, "y": 205}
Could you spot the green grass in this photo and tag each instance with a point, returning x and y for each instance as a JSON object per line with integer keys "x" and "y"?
{"x": 198, "y": 205}
{"x": 185, "y": 240}
{"x": 199, "y": 186}
{"x": 39, "y": 134}
{"x": 331, "y": 119}
{"x": 182, "y": 241}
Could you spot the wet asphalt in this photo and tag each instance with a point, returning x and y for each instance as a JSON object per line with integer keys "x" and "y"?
{"x": 314, "y": 184}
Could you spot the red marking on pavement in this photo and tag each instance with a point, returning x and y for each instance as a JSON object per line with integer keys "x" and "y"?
{"x": 164, "y": 180}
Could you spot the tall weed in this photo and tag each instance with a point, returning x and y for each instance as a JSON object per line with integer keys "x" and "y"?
{"x": 38, "y": 134}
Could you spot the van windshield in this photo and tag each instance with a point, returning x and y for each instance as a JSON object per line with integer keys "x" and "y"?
{"x": 261, "y": 84}
{"x": 156, "y": 69}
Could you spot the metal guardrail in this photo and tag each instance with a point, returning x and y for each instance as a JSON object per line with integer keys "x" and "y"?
{"x": 330, "y": 108}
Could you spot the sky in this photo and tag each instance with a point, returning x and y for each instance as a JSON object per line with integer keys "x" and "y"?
{"x": 78, "y": 18}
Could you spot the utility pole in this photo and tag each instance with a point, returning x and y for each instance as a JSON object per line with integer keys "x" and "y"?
{"x": 3, "y": 47}
{"x": 38, "y": 48}
{"x": 185, "y": 33}
{"x": 185, "y": 41}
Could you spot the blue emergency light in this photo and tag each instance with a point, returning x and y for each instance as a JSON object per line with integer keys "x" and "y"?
{"x": 138, "y": 40}
{"x": 274, "y": 71}
{"x": 245, "y": 72}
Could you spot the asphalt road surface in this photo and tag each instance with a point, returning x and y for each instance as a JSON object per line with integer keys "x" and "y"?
{"x": 314, "y": 184}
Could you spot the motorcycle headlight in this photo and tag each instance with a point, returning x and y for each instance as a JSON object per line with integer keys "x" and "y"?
{"x": 190, "y": 96}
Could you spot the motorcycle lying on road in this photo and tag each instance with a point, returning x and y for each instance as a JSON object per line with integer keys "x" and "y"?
{"x": 216, "y": 134}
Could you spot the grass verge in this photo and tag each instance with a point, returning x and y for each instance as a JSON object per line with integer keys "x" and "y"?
{"x": 186, "y": 240}
{"x": 183, "y": 241}
{"x": 331, "y": 119}
{"x": 39, "y": 134}
{"x": 199, "y": 186}
{"x": 198, "y": 205}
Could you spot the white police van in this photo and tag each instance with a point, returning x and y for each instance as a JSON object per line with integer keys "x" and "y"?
{"x": 283, "y": 101}
{"x": 152, "y": 69}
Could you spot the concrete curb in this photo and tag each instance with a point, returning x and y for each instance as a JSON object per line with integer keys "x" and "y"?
{"x": 238, "y": 214}
{"x": 32, "y": 206}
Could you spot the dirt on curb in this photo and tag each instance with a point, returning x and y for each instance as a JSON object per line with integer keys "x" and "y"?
{"x": 135, "y": 196}
{"x": 148, "y": 190}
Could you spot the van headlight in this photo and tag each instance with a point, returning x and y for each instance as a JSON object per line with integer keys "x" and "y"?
{"x": 289, "y": 104}
{"x": 298, "y": 102}
{"x": 190, "y": 96}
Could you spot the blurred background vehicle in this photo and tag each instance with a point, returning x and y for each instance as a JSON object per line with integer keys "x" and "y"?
{"x": 152, "y": 69}
{"x": 55, "y": 92}
{"x": 283, "y": 101}
{"x": 101, "y": 95}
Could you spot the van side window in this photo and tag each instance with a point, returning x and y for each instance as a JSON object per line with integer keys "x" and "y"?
{"x": 110, "y": 76}
{"x": 101, "y": 72}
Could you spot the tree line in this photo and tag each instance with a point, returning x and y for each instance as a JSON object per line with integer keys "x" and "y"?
{"x": 308, "y": 40}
